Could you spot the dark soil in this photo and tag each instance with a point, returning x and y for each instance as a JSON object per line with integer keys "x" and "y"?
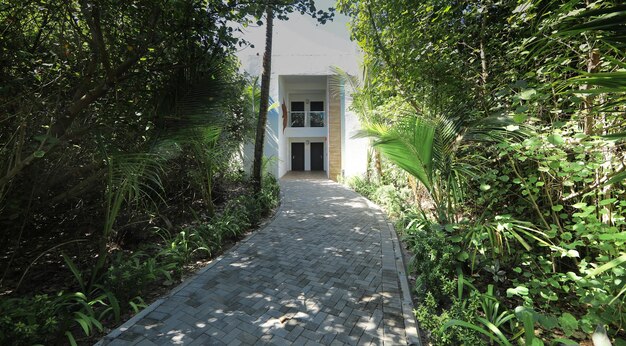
{"x": 32, "y": 263}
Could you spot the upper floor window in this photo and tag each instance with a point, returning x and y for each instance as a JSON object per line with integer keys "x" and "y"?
{"x": 316, "y": 115}
{"x": 309, "y": 114}
{"x": 297, "y": 114}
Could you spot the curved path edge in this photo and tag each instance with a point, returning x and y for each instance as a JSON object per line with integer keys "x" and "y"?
{"x": 143, "y": 313}
{"x": 410, "y": 323}
{"x": 391, "y": 277}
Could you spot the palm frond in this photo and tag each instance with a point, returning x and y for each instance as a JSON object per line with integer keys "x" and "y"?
{"x": 448, "y": 134}
{"x": 607, "y": 82}
{"x": 495, "y": 129}
{"x": 137, "y": 176}
{"x": 362, "y": 102}
{"x": 342, "y": 79}
{"x": 608, "y": 22}
{"x": 410, "y": 148}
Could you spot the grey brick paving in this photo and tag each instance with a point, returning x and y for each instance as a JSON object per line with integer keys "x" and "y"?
{"x": 325, "y": 271}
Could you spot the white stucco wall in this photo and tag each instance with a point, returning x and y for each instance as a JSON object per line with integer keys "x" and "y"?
{"x": 354, "y": 159}
{"x": 301, "y": 46}
{"x": 273, "y": 131}
{"x": 283, "y": 162}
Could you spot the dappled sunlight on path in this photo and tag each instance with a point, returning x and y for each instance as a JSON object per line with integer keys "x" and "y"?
{"x": 326, "y": 270}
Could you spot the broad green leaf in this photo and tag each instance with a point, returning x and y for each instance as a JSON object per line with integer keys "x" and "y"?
{"x": 519, "y": 291}
{"x": 494, "y": 329}
{"x": 616, "y": 178}
{"x": 568, "y": 323}
{"x": 520, "y": 118}
{"x": 613, "y": 236}
{"x": 607, "y": 201}
{"x": 483, "y": 331}
{"x": 519, "y": 83}
{"x": 410, "y": 149}
{"x": 527, "y": 94}
{"x": 549, "y": 322}
{"x": 571, "y": 253}
{"x": 273, "y": 106}
{"x": 70, "y": 338}
{"x": 615, "y": 136}
{"x": 526, "y": 315}
{"x": 84, "y": 321}
{"x": 556, "y": 139}
{"x": 565, "y": 342}
{"x": 521, "y": 109}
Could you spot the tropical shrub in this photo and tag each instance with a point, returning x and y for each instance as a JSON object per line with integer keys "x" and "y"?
{"x": 510, "y": 115}
{"x": 30, "y": 321}
{"x": 362, "y": 186}
{"x": 128, "y": 276}
{"x": 431, "y": 316}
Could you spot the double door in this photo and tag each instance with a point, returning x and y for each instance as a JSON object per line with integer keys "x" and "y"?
{"x": 298, "y": 156}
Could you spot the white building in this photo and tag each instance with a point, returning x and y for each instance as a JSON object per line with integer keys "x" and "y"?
{"x": 315, "y": 133}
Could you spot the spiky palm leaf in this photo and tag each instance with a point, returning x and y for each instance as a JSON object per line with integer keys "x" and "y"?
{"x": 433, "y": 151}
{"x": 607, "y": 21}
{"x": 362, "y": 102}
{"x": 137, "y": 175}
{"x": 410, "y": 147}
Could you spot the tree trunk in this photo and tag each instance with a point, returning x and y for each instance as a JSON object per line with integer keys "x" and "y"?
{"x": 413, "y": 185}
{"x": 379, "y": 166}
{"x": 264, "y": 101}
{"x": 484, "y": 70}
{"x": 592, "y": 67}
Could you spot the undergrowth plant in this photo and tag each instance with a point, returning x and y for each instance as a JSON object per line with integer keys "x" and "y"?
{"x": 128, "y": 276}
{"x": 510, "y": 115}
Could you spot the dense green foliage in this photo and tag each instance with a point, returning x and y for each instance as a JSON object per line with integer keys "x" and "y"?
{"x": 510, "y": 115}
{"x": 121, "y": 129}
{"x": 129, "y": 276}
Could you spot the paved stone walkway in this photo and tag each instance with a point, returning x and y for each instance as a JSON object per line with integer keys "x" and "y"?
{"x": 327, "y": 270}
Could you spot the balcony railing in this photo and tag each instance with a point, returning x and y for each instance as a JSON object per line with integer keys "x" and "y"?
{"x": 299, "y": 119}
{"x": 316, "y": 119}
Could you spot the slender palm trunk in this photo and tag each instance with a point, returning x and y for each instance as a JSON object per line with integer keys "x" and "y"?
{"x": 593, "y": 64}
{"x": 484, "y": 72}
{"x": 264, "y": 102}
{"x": 413, "y": 184}
{"x": 379, "y": 165}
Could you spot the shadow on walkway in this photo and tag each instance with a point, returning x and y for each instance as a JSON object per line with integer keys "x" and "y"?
{"x": 305, "y": 175}
{"x": 327, "y": 270}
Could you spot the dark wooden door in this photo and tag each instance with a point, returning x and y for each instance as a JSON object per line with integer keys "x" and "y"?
{"x": 317, "y": 156}
{"x": 297, "y": 156}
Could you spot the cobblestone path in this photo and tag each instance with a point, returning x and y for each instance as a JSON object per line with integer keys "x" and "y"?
{"x": 327, "y": 270}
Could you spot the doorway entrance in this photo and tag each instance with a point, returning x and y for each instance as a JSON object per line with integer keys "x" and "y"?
{"x": 317, "y": 156}
{"x": 297, "y": 156}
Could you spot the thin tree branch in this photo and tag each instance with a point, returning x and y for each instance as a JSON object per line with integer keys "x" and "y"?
{"x": 388, "y": 61}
